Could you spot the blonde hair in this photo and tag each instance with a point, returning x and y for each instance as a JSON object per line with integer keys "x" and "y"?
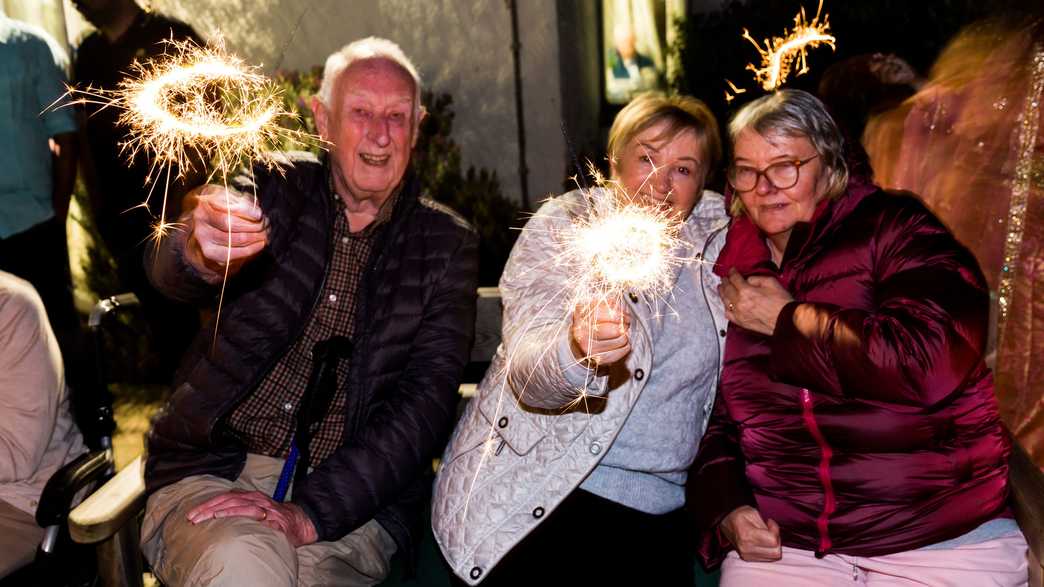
{"x": 795, "y": 114}
{"x": 681, "y": 112}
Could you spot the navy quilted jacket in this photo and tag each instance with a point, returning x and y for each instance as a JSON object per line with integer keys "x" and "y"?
{"x": 414, "y": 330}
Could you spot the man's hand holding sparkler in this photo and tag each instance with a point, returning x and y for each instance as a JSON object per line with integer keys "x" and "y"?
{"x": 225, "y": 230}
{"x": 600, "y": 333}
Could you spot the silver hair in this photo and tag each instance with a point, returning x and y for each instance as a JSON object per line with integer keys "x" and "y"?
{"x": 362, "y": 50}
{"x": 796, "y": 113}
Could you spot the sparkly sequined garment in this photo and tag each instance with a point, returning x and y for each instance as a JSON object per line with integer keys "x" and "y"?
{"x": 971, "y": 144}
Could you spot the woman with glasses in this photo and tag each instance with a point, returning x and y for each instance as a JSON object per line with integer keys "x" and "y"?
{"x": 855, "y": 437}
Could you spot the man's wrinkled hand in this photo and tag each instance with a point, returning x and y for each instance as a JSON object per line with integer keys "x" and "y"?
{"x": 226, "y": 229}
{"x": 287, "y": 518}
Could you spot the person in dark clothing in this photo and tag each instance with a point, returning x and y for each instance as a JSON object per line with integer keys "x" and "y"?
{"x": 297, "y": 446}
{"x": 863, "y": 86}
{"x": 117, "y": 187}
{"x": 628, "y": 71}
{"x": 860, "y": 88}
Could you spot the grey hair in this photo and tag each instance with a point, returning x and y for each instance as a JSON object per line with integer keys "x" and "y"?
{"x": 796, "y": 113}
{"x": 362, "y": 50}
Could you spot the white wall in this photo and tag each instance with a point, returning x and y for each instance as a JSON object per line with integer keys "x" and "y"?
{"x": 46, "y": 14}
{"x": 542, "y": 97}
{"x": 462, "y": 47}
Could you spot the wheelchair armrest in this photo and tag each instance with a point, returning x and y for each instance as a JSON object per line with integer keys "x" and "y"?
{"x": 67, "y": 482}
{"x": 1027, "y": 491}
{"x": 102, "y": 514}
{"x": 104, "y": 306}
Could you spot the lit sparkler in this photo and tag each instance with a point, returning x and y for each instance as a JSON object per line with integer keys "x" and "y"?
{"x": 621, "y": 245}
{"x": 196, "y": 104}
{"x": 192, "y": 105}
{"x": 202, "y": 101}
{"x": 780, "y": 55}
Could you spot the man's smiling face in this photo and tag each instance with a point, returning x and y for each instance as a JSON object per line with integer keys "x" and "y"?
{"x": 372, "y": 124}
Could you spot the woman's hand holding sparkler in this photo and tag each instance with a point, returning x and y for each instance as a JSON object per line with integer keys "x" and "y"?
{"x": 600, "y": 333}
{"x": 225, "y": 230}
{"x": 753, "y": 303}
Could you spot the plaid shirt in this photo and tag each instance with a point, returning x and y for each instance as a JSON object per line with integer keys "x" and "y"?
{"x": 266, "y": 419}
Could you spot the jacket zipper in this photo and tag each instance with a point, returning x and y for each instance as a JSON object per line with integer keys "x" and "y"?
{"x": 291, "y": 341}
{"x": 304, "y": 324}
{"x": 829, "y": 499}
{"x": 363, "y": 321}
{"x": 710, "y": 310}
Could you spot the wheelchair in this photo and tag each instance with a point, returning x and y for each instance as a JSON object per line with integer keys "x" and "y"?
{"x": 60, "y": 560}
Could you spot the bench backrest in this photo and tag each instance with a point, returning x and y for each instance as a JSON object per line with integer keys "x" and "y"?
{"x": 487, "y": 325}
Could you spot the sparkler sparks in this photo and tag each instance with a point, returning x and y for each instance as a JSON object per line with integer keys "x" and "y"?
{"x": 621, "y": 245}
{"x": 171, "y": 108}
{"x": 780, "y": 55}
{"x": 735, "y": 91}
{"x": 191, "y": 106}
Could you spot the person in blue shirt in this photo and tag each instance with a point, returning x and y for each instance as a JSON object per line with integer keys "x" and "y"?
{"x": 38, "y": 159}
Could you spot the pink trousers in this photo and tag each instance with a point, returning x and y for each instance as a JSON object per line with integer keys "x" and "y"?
{"x": 1000, "y": 562}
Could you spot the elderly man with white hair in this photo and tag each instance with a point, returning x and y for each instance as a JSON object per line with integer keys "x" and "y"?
{"x": 297, "y": 445}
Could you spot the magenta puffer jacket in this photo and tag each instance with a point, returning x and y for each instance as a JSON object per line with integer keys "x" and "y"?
{"x": 866, "y": 424}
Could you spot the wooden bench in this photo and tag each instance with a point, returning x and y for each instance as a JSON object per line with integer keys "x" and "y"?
{"x": 487, "y": 338}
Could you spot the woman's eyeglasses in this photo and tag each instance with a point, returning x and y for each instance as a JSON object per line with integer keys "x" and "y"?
{"x": 782, "y": 175}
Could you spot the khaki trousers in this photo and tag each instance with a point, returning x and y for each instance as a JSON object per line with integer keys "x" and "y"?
{"x": 242, "y": 551}
{"x": 19, "y": 537}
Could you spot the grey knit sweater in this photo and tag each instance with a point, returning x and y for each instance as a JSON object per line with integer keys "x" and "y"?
{"x": 646, "y": 466}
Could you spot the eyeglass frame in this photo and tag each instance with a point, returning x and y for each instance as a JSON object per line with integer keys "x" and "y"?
{"x": 759, "y": 173}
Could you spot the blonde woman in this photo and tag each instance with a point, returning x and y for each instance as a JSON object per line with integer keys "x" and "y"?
{"x": 536, "y": 486}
